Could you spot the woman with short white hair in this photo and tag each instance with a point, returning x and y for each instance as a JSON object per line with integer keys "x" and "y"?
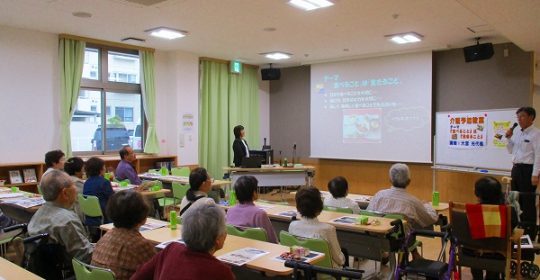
{"x": 204, "y": 232}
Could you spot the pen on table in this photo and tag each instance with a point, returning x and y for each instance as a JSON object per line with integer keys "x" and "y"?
{"x": 483, "y": 171}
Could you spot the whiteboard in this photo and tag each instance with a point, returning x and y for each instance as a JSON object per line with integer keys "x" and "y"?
{"x": 478, "y": 158}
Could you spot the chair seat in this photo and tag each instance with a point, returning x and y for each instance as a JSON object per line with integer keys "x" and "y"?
{"x": 429, "y": 268}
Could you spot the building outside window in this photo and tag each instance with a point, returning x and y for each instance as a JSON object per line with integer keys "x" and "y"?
{"x": 111, "y": 84}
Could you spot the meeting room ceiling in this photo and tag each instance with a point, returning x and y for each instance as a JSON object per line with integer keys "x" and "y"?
{"x": 243, "y": 29}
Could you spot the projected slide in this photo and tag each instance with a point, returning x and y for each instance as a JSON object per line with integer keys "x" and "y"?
{"x": 372, "y": 109}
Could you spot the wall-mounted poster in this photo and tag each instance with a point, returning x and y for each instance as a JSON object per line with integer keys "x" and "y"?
{"x": 467, "y": 130}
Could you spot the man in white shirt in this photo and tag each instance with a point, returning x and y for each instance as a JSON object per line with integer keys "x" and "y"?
{"x": 524, "y": 145}
{"x": 396, "y": 200}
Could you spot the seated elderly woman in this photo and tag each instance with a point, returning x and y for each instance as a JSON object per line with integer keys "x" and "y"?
{"x": 123, "y": 248}
{"x": 74, "y": 168}
{"x": 246, "y": 214}
{"x": 204, "y": 232}
{"x": 310, "y": 205}
{"x": 200, "y": 184}
{"x": 98, "y": 186}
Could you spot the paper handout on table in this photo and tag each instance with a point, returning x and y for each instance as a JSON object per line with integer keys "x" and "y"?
{"x": 162, "y": 245}
{"x": 242, "y": 256}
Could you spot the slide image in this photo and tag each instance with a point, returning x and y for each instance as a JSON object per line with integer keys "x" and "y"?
{"x": 362, "y": 125}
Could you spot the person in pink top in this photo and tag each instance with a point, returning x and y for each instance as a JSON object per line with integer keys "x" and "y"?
{"x": 247, "y": 214}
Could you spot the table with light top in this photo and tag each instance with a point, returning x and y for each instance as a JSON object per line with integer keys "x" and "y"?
{"x": 266, "y": 263}
{"x": 275, "y": 176}
{"x": 24, "y": 215}
{"x": 364, "y": 241}
{"x": 11, "y": 271}
{"x": 184, "y": 180}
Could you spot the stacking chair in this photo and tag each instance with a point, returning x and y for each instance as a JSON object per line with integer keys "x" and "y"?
{"x": 324, "y": 266}
{"x": 178, "y": 191}
{"x": 493, "y": 253}
{"x": 89, "y": 272}
{"x": 251, "y": 233}
{"x": 371, "y": 213}
{"x": 90, "y": 207}
{"x": 339, "y": 209}
{"x": 312, "y": 244}
{"x": 180, "y": 171}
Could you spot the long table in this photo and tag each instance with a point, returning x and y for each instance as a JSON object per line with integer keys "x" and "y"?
{"x": 11, "y": 271}
{"x": 361, "y": 199}
{"x": 24, "y": 214}
{"x": 177, "y": 179}
{"x": 275, "y": 176}
{"x": 265, "y": 264}
{"x": 364, "y": 241}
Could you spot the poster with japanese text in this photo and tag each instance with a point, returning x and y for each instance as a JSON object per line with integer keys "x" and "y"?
{"x": 499, "y": 130}
{"x": 467, "y": 130}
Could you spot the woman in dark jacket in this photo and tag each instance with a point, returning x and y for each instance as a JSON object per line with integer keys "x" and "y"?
{"x": 240, "y": 145}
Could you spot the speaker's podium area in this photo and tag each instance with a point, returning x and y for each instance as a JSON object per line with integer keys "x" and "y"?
{"x": 271, "y": 175}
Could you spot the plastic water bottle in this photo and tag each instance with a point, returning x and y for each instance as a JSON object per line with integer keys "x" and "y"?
{"x": 232, "y": 198}
{"x": 164, "y": 171}
{"x": 173, "y": 219}
{"x": 435, "y": 199}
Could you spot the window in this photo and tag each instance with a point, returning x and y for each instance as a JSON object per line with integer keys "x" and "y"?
{"x": 124, "y": 113}
{"x": 109, "y": 107}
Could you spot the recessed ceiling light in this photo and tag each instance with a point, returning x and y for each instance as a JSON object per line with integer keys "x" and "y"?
{"x": 405, "y": 38}
{"x": 82, "y": 14}
{"x": 277, "y": 55}
{"x": 166, "y": 33}
{"x": 309, "y": 5}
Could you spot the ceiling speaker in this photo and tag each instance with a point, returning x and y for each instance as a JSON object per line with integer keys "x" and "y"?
{"x": 478, "y": 52}
{"x": 270, "y": 74}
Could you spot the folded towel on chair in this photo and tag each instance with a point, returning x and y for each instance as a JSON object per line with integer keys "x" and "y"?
{"x": 486, "y": 220}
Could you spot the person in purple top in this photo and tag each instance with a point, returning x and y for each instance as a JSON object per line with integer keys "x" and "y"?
{"x": 126, "y": 167}
{"x": 246, "y": 214}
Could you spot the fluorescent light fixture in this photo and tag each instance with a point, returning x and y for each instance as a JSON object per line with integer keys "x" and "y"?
{"x": 166, "y": 33}
{"x": 309, "y": 5}
{"x": 398, "y": 40}
{"x": 405, "y": 38}
{"x": 277, "y": 55}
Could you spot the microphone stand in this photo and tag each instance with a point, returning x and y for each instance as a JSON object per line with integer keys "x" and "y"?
{"x": 294, "y": 154}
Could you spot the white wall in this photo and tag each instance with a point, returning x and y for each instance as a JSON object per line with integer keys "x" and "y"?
{"x": 29, "y": 103}
{"x": 177, "y": 76}
{"x": 29, "y": 99}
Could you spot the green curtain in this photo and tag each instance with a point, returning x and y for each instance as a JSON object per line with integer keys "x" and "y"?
{"x": 148, "y": 88}
{"x": 214, "y": 119}
{"x": 226, "y": 100}
{"x": 244, "y": 107}
{"x": 71, "y": 54}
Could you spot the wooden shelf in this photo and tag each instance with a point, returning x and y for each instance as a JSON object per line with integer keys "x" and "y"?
{"x": 31, "y": 187}
{"x": 144, "y": 162}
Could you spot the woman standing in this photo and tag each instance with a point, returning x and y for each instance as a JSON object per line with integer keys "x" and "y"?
{"x": 240, "y": 145}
